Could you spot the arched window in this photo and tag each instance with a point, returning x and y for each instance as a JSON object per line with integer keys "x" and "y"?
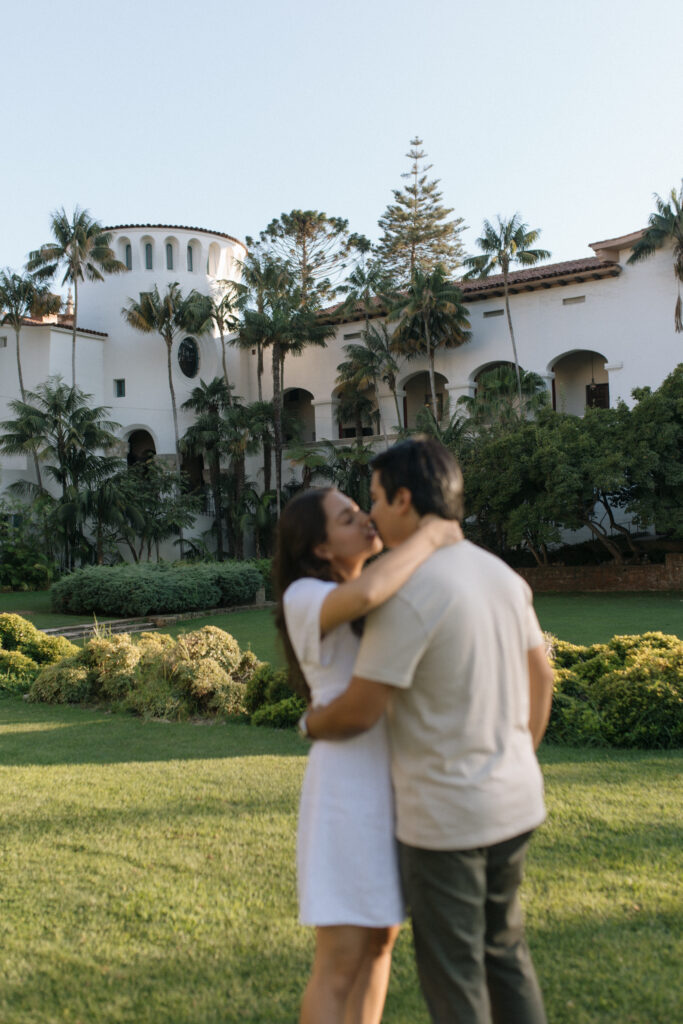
{"x": 190, "y": 261}
{"x": 169, "y": 256}
{"x": 148, "y": 256}
{"x": 129, "y": 256}
{"x": 188, "y": 357}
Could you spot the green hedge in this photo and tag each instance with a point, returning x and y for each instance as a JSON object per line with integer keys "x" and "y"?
{"x": 627, "y": 693}
{"x": 134, "y": 590}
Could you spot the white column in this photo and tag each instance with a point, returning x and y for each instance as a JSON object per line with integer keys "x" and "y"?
{"x": 326, "y": 426}
{"x": 455, "y": 391}
{"x": 387, "y": 408}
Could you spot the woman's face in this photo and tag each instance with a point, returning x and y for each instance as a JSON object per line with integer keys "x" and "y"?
{"x": 351, "y": 536}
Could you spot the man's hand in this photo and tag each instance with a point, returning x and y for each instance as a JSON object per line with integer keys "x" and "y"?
{"x": 361, "y": 705}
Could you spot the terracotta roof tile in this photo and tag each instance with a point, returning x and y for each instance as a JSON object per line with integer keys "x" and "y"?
{"x": 175, "y": 227}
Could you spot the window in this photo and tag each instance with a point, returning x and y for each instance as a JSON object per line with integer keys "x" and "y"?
{"x": 351, "y": 337}
{"x": 493, "y": 312}
{"x": 148, "y": 256}
{"x": 169, "y": 256}
{"x": 3, "y": 341}
{"x": 573, "y": 300}
{"x": 120, "y": 387}
{"x": 597, "y": 396}
{"x": 190, "y": 259}
{"x": 188, "y": 357}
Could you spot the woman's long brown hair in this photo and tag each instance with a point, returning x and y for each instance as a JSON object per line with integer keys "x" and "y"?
{"x": 302, "y": 527}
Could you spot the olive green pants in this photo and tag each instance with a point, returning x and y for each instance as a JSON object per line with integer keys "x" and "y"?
{"x": 472, "y": 960}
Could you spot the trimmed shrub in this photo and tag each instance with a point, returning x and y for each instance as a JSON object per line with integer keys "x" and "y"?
{"x": 137, "y": 590}
{"x": 282, "y": 715}
{"x": 18, "y": 634}
{"x": 265, "y": 568}
{"x": 17, "y": 672}
{"x": 627, "y": 693}
{"x": 267, "y": 685}
{"x": 66, "y": 682}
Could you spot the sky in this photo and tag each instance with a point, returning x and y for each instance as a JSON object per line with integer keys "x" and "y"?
{"x": 223, "y": 115}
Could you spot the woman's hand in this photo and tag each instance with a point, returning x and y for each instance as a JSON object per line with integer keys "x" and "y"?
{"x": 441, "y": 532}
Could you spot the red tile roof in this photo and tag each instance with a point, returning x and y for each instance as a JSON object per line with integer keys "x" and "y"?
{"x": 29, "y": 321}
{"x": 175, "y": 227}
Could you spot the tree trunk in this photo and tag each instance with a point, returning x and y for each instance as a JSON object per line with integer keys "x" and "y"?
{"x": 277, "y": 424}
{"x": 240, "y": 478}
{"x": 225, "y": 369}
{"x": 512, "y": 339}
{"x": 215, "y": 470}
{"x": 259, "y": 369}
{"x": 267, "y": 464}
{"x": 73, "y": 333}
{"x": 432, "y": 384}
{"x": 382, "y": 424}
{"x": 169, "y": 346}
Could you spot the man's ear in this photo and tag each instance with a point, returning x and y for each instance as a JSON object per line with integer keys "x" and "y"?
{"x": 403, "y": 501}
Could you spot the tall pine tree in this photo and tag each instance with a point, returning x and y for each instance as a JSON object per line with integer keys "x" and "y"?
{"x": 416, "y": 231}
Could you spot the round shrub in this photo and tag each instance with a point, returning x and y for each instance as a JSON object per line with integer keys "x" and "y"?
{"x": 267, "y": 685}
{"x": 18, "y": 634}
{"x": 17, "y": 672}
{"x": 282, "y": 715}
{"x": 66, "y": 682}
{"x": 210, "y": 642}
{"x": 111, "y": 662}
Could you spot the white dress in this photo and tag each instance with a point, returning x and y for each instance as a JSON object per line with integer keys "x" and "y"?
{"x": 347, "y": 864}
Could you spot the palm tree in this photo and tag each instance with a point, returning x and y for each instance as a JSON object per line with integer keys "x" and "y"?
{"x": 430, "y": 315}
{"x": 209, "y": 433}
{"x": 261, "y": 424}
{"x": 71, "y": 439}
{"x": 665, "y": 225}
{"x": 223, "y": 314}
{"x": 258, "y": 517}
{"x": 169, "y": 316}
{"x": 262, "y": 277}
{"x": 82, "y": 248}
{"x": 237, "y": 444}
{"x": 501, "y": 247}
{"x": 370, "y": 362}
{"x": 21, "y": 297}
{"x": 496, "y": 402}
{"x": 353, "y": 403}
{"x": 286, "y": 326}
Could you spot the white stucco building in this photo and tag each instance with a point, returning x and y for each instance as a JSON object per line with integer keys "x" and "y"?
{"x": 594, "y": 328}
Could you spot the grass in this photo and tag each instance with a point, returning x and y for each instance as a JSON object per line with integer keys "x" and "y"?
{"x": 579, "y": 618}
{"x": 147, "y": 877}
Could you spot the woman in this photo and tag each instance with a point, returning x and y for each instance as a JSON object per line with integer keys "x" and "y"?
{"x": 347, "y": 866}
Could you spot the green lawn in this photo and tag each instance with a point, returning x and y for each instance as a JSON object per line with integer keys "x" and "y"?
{"x": 580, "y": 618}
{"x": 147, "y": 877}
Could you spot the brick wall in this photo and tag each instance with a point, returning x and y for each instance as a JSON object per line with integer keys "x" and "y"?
{"x": 607, "y": 578}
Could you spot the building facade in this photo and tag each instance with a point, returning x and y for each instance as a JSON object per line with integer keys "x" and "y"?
{"x": 593, "y": 328}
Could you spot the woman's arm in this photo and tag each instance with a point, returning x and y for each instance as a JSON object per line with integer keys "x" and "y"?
{"x": 381, "y": 580}
{"x": 541, "y": 680}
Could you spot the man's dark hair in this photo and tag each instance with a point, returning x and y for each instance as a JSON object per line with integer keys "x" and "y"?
{"x": 428, "y": 470}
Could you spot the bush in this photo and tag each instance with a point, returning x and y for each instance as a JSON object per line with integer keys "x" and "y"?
{"x": 202, "y": 673}
{"x": 627, "y": 693}
{"x": 282, "y": 715}
{"x": 17, "y": 634}
{"x": 137, "y": 590}
{"x": 17, "y": 672}
{"x": 265, "y": 568}
{"x": 267, "y": 685}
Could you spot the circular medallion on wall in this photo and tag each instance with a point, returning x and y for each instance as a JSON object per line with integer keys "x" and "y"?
{"x": 188, "y": 357}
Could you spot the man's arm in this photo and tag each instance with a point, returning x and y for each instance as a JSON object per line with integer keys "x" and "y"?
{"x": 540, "y": 693}
{"x": 355, "y": 711}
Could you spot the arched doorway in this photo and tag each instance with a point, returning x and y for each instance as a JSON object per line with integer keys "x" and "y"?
{"x": 299, "y": 415}
{"x": 141, "y": 447}
{"x": 418, "y": 395}
{"x": 580, "y": 380}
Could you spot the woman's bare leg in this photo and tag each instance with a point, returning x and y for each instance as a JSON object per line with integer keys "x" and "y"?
{"x": 339, "y": 954}
{"x": 365, "y": 1003}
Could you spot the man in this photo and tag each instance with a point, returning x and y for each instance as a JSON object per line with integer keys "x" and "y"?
{"x": 457, "y": 659}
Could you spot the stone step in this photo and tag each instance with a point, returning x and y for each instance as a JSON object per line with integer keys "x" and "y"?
{"x": 88, "y": 629}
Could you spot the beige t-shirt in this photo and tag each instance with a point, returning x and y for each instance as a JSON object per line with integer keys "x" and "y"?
{"x": 454, "y": 643}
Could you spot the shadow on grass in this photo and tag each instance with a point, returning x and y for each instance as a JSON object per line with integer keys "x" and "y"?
{"x": 40, "y": 734}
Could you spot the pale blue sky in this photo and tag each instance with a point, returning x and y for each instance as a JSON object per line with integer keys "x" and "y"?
{"x": 223, "y": 115}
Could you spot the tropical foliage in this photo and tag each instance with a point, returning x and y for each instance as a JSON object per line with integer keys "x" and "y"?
{"x": 81, "y": 248}
{"x": 665, "y": 225}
